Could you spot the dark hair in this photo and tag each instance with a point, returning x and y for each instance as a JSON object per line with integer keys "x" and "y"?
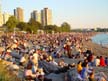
{"x": 100, "y": 56}
{"x": 29, "y": 65}
{"x": 91, "y": 74}
{"x": 106, "y": 57}
{"x": 84, "y": 64}
{"x": 79, "y": 62}
{"x": 97, "y": 57}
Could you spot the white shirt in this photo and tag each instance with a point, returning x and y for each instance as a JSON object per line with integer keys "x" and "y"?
{"x": 22, "y": 59}
{"x": 97, "y": 62}
{"x": 35, "y": 58}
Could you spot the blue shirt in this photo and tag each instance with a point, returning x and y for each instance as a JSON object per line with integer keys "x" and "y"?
{"x": 84, "y": 73}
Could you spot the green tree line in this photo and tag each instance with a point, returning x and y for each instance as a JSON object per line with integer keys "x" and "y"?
{"x": 33, "y": 26}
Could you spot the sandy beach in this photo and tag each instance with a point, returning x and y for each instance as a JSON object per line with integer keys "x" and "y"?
{"x": 97, "y": 50}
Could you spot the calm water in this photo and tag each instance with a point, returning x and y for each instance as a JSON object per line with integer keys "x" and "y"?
{"x": 101, "y": 39}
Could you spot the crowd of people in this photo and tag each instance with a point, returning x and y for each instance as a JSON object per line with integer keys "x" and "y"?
{"x": 37, "y": 54}
{"x": 86, "y": 71}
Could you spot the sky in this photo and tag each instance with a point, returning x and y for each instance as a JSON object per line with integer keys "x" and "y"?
{"x": 78, "y": 13}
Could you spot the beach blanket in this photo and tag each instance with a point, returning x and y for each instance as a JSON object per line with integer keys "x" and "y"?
{"x": 48, "y": 68}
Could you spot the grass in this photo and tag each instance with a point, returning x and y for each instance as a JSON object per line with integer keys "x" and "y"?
{"x": 6, "y": 75}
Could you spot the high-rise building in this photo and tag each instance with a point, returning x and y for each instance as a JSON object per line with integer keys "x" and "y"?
{"x": 19, "y": 14}
{"x": 1, "y": 16}
{"x": 39, "y": 17}
{"x": 36, "y": 16}
{"x": 5, "y": 17}
{"x": 46, "y": 17}
{"x": 43, "y": 17}
{"x": 1, "y": 19}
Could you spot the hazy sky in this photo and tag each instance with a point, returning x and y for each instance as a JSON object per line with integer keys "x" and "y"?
{"x": 78, "y": 13}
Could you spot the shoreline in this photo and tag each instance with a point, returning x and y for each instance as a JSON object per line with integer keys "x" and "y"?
{"x": 96, "y": 48}
{"x": 103, "y": 42}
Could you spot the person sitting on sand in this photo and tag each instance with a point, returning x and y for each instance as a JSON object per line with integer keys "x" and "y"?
{"x": 90, "y": 59}
{"x": 102, "y": 61}
{"x": 28, "y": 73}
{"x": 92, "y": 77}
{"x": 53, "y": 62}
{"x": 49, "y": 58}
{"x": 79, "y": 67}
{"x": 97, "y": 61}
{"x": 85, "y": 71}
{"x": 61, "y": 63}
{"x": 22, "y": 60}
{"x": 35, "y": 57}
{"x": 101, "y": 76}
{"x": 41, "y": 75}
{"x": 106, "y": 61}
{"x": 34, "y": 68}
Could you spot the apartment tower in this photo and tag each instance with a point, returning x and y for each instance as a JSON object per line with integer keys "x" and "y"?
{"x": 36, "y": 16}
{"x": 6, "y": 17}
{"x": 19, "y": 14}
{"x": 46, "y": 17}
{"x": 1, "y": 16}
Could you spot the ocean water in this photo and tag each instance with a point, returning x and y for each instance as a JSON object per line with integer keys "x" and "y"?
{"x": 101, "y": 39}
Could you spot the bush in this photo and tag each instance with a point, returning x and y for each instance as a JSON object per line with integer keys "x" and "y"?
{"x": 6, "y": 75}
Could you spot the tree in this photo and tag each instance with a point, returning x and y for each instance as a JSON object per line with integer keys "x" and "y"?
{"x": 55, "y": 28}
{"x": 22, "y": 26}
{"x": 65, "y": 27}
{"x": 50, "y": 28}
{"x": 11, "y": 23}
{"x": 33, "y": 26}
